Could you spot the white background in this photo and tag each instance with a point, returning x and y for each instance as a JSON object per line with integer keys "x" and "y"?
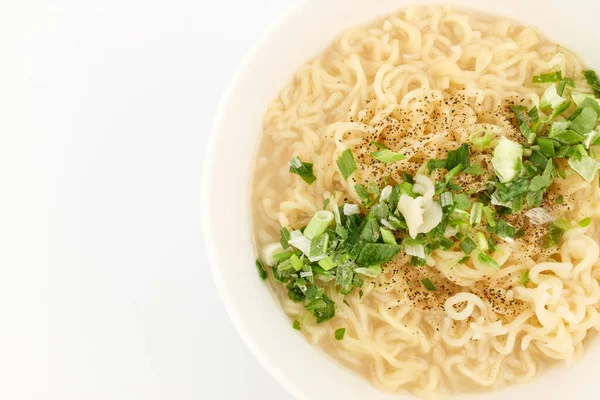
{"x": 105, "y": 109}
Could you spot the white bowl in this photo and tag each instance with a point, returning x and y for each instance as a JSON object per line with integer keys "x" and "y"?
{"x": 303, "y": 369}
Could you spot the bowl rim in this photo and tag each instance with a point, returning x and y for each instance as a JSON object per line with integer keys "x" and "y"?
{"x": 207, "y": 172}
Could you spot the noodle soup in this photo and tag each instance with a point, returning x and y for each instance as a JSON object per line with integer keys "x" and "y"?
{"x": 425, "y": 201}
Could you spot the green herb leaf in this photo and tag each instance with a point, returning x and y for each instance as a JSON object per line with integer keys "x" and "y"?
{"x": 428, "y": 285}
{"x": 346, "y": 163}
{"x": 296, "y": 325}
{"x": 304, "y": 170}
{"x": 339, "y": 334}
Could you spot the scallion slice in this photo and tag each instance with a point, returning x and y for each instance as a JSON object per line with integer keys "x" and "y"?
{"x": 428, "y": 284}
{"x": 484, "y": 258}
{"x": 351, "y": 209}
{"x": 386, "y": 155}
{"x": 476, "y": 212}
{"x": 304, "y": 170}
{"x": 387, "y": 236}
{"x": 585, "y": 222}
{"x": 262, "y": 273}
{"x": 467, "y": 245}
{"x": 346, "y": 163}
{"x": 318, "y": 224}
{"x": 446, "y": 199}
{"x": 417, "y": 250}
{"x": 482, "y": 242}
{"x": 524, "y": 278}
{"x": 339, "y": 334}
{"x": 318, "y": 247}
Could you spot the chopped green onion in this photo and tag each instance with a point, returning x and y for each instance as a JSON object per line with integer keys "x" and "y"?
{"x": 339, "y": 333}
{"x": 592, "y": 80}
{"x": 484, "y": 258}
{"x": 474, "y": 170}
{"x": 325, "y": 313}
{"x": 453, "y": 172}
{"x": 284, "y": 236}
{"x": 326, "y": 203}
{"x": 344, "y": 276}
{"x": 464, "y": 259}
{"x": 446, "y": 199}
{"x": 386, "y": 193}
{"x": 351, "y": 209}
{"x": 560, "y": 199}
{"x": 296, "y": 325}
{"x": 585, "y": 222}
{"x": 318, "y": 247}
{"x": 489, "y": 216}
{"x": 372, "y": 272}
{"x": 385, "y": 154}
{"x": 262, "y": 273}
{"x": 538, "y": 216}
{"x": 527, "y": 132}
{"x": 546, "y": 147}
{"x": 362, "y": 192}
{"x": 504, "y": 230}
{"x": 428, "y": 285}
{"x": 283, "y": 255}
{"x": 482, "y": 241}
{"x": 524, "y": 278}
{"x": 388, "y": 237}
{"x": 547, "y": 78}
{"x": 318, "y": 224}
{"x": 584, "y": 165}
{"x": 346, "y": 163}
{"x": 436, "y": 164}
{"x": 551, "y": 98}
{"x": 304, "y": 170}
{"x": 417, "y": 250}
{"x": 459, "y": 156}
{"x": 476, "y": 212}
{"x": 467, "y": 245}
{"x": 297, "y": 264}
{"x": 377, "y": 253}
{"x": 481, "y": 142}
{"x": 507, "y": 159}
{"x": 462, "y": 201}
{"x": 585, "y": 121}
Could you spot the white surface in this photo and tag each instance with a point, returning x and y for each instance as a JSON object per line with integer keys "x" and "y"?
{"x": 254, "y": 313}
{"x": 105, "y": 108}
